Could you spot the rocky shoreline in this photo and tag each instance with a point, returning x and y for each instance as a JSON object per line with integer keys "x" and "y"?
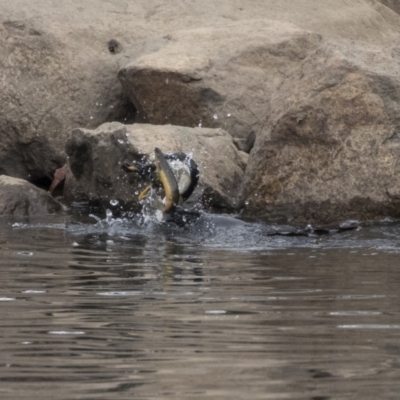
{"x": 291, "y": 111}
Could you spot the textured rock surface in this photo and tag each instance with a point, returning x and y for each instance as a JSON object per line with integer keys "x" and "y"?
{"x": 46, "y": 88}
{"x": 217, "y": 77}
{"x": 251, "y": 67}
{"x": 60, "y": 60}
{"x": 392, "y": 4}
{"x": 331, "y": 148}
{"x": 224, "y": 75}
{"x": 19, "y": 198}
{"x": 95, "y": 158}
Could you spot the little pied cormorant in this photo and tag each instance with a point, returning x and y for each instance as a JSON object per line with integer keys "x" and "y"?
{"x": 177, "y": 173}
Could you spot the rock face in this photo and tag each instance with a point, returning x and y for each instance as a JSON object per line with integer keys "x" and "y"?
{"x": 47, "y": 89}
{"x": 331, "y": 147}
{"x": 392, "y": 4}
{"x": 59, "y": 64}
{"x": 96, "y": 157}
{"x": 308, "y": 88}
{"x": 225, "y": 75}
{"x": 213, "y": 77}
{"x": 19, "y": 198}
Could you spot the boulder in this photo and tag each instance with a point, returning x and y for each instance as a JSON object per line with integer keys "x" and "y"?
{"x": 59, "y": 65}
{"x": 96, "y": 156}
{"x": 225, "y": 75}
{"x": 224, "y": 80}
{"x": 188, "y": 63}
{"x": 20, "y": 198}
{"x": 330, "y": 149}
{"x": 47, "y": 88}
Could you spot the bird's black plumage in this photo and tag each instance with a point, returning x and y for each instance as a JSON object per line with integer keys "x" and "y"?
{"x": 183, "y": 166}
{"x": 193, "y": 170}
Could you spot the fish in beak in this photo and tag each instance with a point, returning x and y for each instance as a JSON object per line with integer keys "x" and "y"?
{"x": 168, "y": 181}
{"x": 175, "y": 173}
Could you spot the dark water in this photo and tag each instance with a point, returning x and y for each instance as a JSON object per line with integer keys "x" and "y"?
{"x": 114, "y": 309}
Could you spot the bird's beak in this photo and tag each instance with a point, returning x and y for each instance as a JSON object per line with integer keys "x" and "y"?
{"x": 144, "y": 192}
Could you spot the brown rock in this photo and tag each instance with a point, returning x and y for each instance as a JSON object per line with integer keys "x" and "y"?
{"x": 224, "y": 75}
{"x": 20, "y": 198}
{"x": 331, "y": 147}
{"x": 96, "y": 157}
{"x": 224, "y": 80}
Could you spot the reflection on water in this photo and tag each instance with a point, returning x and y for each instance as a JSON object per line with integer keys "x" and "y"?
{"x": 116, "y": 309}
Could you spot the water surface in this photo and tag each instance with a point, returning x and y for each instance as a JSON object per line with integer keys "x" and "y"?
{"x": 103, "y": 308}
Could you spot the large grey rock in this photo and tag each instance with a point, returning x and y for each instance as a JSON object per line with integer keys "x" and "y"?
{"x": 20, "y": 198}
{"x": 45, "y": 90}
{"x": 224, "y": 75}
{"x": 331, "y": 148}
{"x": 217, "y": 76}
{"x": 96, "y": 157}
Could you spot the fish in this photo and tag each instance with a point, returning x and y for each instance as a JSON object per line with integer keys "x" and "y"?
{"x": 168, "y": 181}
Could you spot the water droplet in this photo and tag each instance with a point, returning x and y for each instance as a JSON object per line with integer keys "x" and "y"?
{"x": 25, "y": 253}
{"x": 216, "y": 312}
{"x": 120, "y": 141}
{"x": 114, "y": 202}
{"x": 246, "y": 202}
{"x": 31, "y": 291}
{"x": 228, "y": 115}
{"x": 215, "y": 116}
